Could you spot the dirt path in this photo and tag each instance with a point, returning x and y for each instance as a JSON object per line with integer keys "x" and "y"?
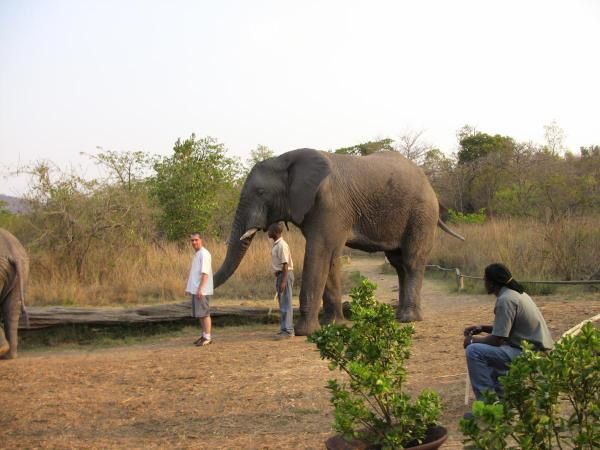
{"x": 244, "y": 391}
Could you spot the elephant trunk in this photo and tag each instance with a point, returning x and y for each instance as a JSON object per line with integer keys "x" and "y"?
{"x": 236, "y": 249}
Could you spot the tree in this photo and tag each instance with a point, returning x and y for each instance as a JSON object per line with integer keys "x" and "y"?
{"x": 6, "y": 217}
{"x": 260, "y": 153}
{"x": 79, "y": 219}
{"x": 367, "y": 148}
{"x": 465, "y": 131}
{"x": 516, "y": 198}
{"x": 124, "y": 168}
{"x": 194, "y": 185}
{"x": 439, "y": 169}
{"x": 479, "y": 145}
{"x": 411, "y": 145}
{"x": 590, "y": 152}
{"x": 485, "y": 159}
{"x": 555, "y": 138}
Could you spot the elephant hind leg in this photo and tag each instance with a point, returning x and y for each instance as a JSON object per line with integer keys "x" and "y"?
{"x": 410, "y": 279}
{"x": 11, "y": 311}
{"x": 4, "y": 345}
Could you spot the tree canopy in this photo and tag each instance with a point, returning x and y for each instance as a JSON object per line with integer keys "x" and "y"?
{"x": 195, "y": 187}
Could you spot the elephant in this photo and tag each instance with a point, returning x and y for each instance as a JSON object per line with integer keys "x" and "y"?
{"x": 14, "y": 273}
{"x": 380, "y": 202}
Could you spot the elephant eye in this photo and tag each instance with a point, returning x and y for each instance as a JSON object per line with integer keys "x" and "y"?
{"x": 260, "y": 192}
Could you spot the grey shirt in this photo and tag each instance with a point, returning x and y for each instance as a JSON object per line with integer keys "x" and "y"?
{"x": 518, "y": 318}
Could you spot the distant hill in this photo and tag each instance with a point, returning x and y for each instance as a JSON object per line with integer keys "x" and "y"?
{"x": 15, "y": 205}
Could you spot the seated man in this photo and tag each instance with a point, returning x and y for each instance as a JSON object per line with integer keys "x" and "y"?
{"x": 517, "y": 319}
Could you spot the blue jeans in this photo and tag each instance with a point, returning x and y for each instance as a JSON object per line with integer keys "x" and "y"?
{"x": 486, "y": 363}
{"x": 286, "y": 311}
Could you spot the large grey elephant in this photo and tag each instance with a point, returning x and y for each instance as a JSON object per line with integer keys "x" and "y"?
{"x": 14, "y": 273}
{"x": 381, "y": 202}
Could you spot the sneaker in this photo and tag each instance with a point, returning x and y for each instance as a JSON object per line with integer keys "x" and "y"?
{"x": 197, "y": 341}
{"x": 284, "y": 335}
{"x": 203, "y": 341}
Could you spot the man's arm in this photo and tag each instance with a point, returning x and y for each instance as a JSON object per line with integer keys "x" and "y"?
{"x": 490, "y": 339}
{"x": 203, "y": 281}
{"x": 284, "y": 274}
{"x": 476, "y": 329}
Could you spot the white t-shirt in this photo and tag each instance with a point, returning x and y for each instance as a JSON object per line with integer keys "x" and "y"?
{"x": 202, "y": 263}
{"x": 280, "y": 255}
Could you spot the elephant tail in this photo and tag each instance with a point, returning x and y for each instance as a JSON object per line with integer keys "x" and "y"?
{"x": 442, "y": 212}
{"x": 444, "y": 227}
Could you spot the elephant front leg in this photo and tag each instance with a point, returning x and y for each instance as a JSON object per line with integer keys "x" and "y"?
{"x": 332, "y": 296}
{"x": 317, "y": 259}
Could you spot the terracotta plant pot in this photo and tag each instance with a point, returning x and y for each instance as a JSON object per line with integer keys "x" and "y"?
{"x": 434, "y": 438}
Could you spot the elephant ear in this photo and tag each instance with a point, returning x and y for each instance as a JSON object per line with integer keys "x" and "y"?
{"x": 306, "y": 171}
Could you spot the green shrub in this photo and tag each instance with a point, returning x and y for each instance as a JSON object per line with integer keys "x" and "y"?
{"x": 372, "y": 405}
{"x": 551, "y": 400}
{"x": 459, "y": 217}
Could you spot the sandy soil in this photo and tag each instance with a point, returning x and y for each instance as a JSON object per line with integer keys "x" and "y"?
{"x": 247, "y": 390}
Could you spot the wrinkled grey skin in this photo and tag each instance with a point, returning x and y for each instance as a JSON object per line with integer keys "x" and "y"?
{"x": 381, "y": 202}
{"x": 14, "y": 273}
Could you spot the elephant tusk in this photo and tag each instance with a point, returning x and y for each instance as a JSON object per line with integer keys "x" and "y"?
{"x": 248, "y": 233}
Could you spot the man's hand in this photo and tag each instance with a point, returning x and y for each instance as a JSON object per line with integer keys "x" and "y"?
{"x": 467, "y": 341}
{"x": 200, "y": 295}
{"x": 282, "y": 287}
{"x": 472, "y": 330}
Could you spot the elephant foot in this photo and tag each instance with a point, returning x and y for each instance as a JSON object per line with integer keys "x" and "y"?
{"x": 4, "y": 348}
{"x": 8, "y": 355}
{"x": 409, "y": 315}
{"x": 305, "y": 327}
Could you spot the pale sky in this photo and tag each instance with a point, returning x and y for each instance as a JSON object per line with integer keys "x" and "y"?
{"x": 136, "y": 75}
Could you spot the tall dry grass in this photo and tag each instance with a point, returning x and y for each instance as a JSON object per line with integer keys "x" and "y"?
{"x": 564, "y": 249}
{"x": 156, "y": 273}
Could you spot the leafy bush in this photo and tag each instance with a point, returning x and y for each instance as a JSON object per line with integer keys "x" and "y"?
{"x": 197, "y": 188}
{"x": 372, "y": 405}
{"x": 459, "y": 217}
{"x": 551, "y": 400}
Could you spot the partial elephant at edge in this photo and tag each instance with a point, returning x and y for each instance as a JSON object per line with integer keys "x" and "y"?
{"x": 14, "y": 274}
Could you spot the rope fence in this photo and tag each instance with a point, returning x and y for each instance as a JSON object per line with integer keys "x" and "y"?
{"x": 461, "y": 285}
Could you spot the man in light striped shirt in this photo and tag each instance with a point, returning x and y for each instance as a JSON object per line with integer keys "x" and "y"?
{"x": 283, "y": 268}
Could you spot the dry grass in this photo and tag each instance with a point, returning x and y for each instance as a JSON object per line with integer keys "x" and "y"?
{"x": 156, "y": 273}
{"x": 566, "y": 249}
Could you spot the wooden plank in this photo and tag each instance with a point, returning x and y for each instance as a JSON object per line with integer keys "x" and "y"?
{"x": 42, "y": 317}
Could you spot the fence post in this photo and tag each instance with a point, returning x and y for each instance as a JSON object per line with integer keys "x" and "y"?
{"x": 459, "y": 280}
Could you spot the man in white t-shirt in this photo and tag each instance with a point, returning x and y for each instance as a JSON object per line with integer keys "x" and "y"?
{"x": 200, "y": 286}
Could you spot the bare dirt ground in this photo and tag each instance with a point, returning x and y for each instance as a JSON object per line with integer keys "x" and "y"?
{"x": 247, "y": 390}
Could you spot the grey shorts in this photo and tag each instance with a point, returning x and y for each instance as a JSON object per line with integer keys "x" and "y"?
{"x": 200, "y": 307}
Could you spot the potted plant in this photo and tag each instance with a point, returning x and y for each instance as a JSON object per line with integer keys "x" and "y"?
{"x": 371, "y": 408}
